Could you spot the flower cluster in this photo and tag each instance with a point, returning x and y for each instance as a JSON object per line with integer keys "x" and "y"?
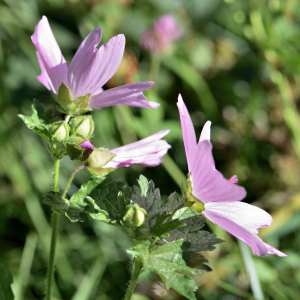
{"x": 166, "y": 231}
{"x": 78, "y": 87}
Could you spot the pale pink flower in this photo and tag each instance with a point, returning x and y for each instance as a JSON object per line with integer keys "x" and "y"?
{"x": 91, "y": 67}
{"x": 220, "y": 196}
{"x": 163, "y": 33}
{"x": 148, "y": 152}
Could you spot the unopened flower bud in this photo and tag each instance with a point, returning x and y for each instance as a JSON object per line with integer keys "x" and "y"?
{"x": 98, "y": 159}
{"x": 135, "y": 215}
{"x": 60, "y": 131}
{"x": 82, "y": 127}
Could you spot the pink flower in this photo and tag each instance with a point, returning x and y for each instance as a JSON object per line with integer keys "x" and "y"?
{"x": 148, "y": 152}
{"x": 220, "y": 196}
{"x": 161, "y": 35}
{"x": 91, "y": 67}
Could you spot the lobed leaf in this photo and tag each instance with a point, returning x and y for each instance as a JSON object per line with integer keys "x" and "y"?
{"x": 167, "y": 262}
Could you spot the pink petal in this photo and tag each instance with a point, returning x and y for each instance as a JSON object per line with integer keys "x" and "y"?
{"x": 148, "y": 151}
{"x": 129, "y": 94}
{"x": 87, "y": 145}
{"x": 208, "y": 183}
{"x": 234, "y": 179}
{"x": 242, "y": 220}
{"x": 91, "y": 67}
{"x": 52, "y": 63}
{"x": 188, "y": 132}
{"x": 82, "y": 61}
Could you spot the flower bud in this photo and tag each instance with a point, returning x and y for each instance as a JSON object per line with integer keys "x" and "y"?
{"x": 98, "y": 159}
{"x": 135, "y": 215}
{"x": 60, "y": 131}
{"x": 82, "y": 127}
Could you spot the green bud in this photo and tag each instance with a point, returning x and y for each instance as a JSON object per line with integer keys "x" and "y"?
{"x": 82, "y": 128}
{"x": 191, "y": 200}
{"x": 135, "y": 215}
{"x": 98, "y": 159}
{"x": 59, "y": 131}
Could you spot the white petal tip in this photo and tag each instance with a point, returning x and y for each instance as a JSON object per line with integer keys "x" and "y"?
{"x": 205, "y": 133}
{"x": 120, "y": 37}
{"x": 153, "y": 104}
{"x": 179, "y": 100}
{"x": 165, "y": 132}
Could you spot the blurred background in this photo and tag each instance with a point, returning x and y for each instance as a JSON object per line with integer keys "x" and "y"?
{"x": 236, "y": 63}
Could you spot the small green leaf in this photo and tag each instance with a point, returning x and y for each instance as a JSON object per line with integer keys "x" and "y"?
{"x": 113, "y": 197}
{"x": 167, "y": 262}
{"x": 78, "y": 198}
{"x": 184, "y": 213}
{"x": 94, "y": 211}
{"x": 5, "y": 283}
{"x": 144, "y": 185}
{"x": 159, "y": 210}
{"x": 196, "y": 240}
{"x": 35, "y": 124}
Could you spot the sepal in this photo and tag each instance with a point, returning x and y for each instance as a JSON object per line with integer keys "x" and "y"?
{"x": 35, "y": 123}
{"x": 97, "y": 160}
{"x": 69, "y": 105}
{"x": 59, "y": 131}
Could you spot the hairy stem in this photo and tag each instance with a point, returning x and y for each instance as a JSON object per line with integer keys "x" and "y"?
{"x": 136, "y": 270}
{"x": 70, "y": 180}
{"x": 54, "y": 225}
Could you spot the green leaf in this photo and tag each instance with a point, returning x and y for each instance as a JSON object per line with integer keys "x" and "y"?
{"x": 35, "y": 124}
{"x": 78, "y": 198}
{"x": 113, "y": 197}
{"x": 81, "y": 203}
{"x": 196, "y": 240}
{"x": 5, "y": 284}
{"x": 144, "y": 185}
{"x": 159, "y": 209}
{"x": 94, "y": 211}
{"x": 166, "y": 261}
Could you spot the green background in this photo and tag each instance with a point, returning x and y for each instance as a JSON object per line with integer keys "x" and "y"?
{"x": 236, "y": 64}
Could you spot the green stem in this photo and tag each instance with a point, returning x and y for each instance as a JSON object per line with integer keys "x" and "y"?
{"x": 136, "y": 269}
{"x": 174, "y": 171}
{"x": 70, "y": 180}
{"x": 55, "y": 226}
{"x": 251, "y": 270}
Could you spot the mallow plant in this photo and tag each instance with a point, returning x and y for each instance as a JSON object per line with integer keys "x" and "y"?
{"x": 168, "y": 233}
